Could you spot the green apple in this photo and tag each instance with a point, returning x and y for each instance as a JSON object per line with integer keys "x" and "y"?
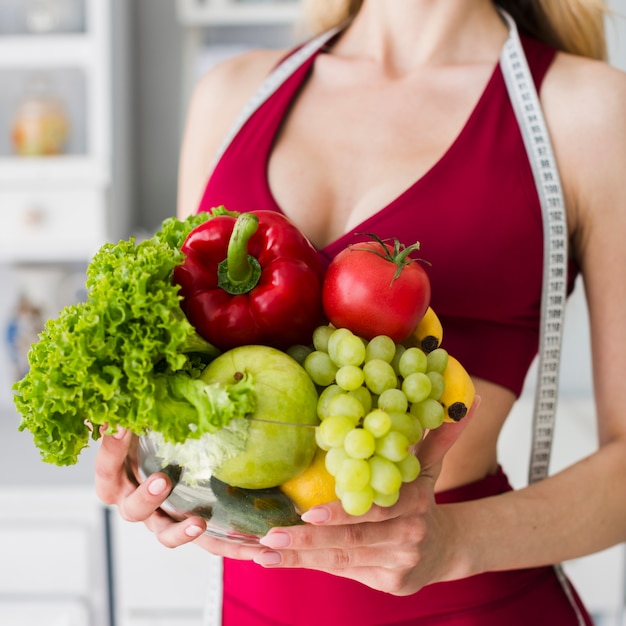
{"x": 280, "y": 434}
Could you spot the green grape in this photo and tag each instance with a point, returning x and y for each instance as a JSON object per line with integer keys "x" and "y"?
{"x": 299, "y": 352}
{"x": 416, "y": 387}
{"x": 437, "y": 360}
{"x": 335, "y": 336}
{"x": 363, "y": 395}
{"x": 429, "y": 412}
{"x": 333, "y": 430}
{"x": 380, "y": 347}
{"x": 412, "y": 360}
{"x": 393, "y": 400}
{"x": 353, "y": 475}
{"x": 409, "y": 468}
{"x": 379, "y": 375}
{"x": 359, "y": 443}
{"x": 385, "y": 475}
{"x": 393, "y": 446}
{"x": 357, "y": 502}
{"x": 395, "y": 362}
{"x": 321, "y": 336}
{"x": 320, "y": 368}
{"x": 320, "y": 441}
{"x": 408, "y": 425}
{"x": 334, "y": 458}
{"x": 386, "y": 499}
{"x": 326, "y": 395}
{"x": 346, "y": 405}
{"x": 377, "y": 422}
{"x": 350, "y": 377}
{"x": 347, "y": 350}
{"x": 438, "y": 385}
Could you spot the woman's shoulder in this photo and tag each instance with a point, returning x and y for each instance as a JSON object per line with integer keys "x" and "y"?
{"x": 584, "y": 102}
{"x": 216, "y": 100}
{"x": 588, "y": 94}
{"x": 233, "y": 81}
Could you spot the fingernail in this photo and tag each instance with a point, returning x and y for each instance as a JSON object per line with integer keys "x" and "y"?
{"x": 317, "y": 515}
{"x": 193, "y": 531}
{"x": 275, "y": 540}
{"x": 268, "y": 558}
{"x": 157, "y": 486}
{"x": 120, "y": 433}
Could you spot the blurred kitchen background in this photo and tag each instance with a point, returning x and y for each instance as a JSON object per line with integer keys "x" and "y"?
{"x": 93, "y": 95}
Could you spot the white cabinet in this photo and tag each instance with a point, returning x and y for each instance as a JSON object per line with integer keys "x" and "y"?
{"x": 54, "y": 567}
{"x": 154, "y": 585}
{"x": 56, "y": 130}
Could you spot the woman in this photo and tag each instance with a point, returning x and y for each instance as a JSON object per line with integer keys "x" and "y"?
{"x": 402, "y": 121}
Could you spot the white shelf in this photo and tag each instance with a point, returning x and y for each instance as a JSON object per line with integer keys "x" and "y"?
{"x": 56, "y": 170}
{"x": 233, "y": 12}
{"x": 32, "y": 52}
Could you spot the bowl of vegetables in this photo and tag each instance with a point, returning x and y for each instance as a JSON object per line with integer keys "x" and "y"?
{"x": 235, "y": 384}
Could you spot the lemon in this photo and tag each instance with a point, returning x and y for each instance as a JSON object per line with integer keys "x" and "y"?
{"x": 315, "y": 485}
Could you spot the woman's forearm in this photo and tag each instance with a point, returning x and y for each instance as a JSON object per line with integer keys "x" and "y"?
{"x": 573, "y": 513}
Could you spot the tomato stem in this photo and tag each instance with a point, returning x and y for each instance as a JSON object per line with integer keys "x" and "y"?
{"x": 399, "y": 255}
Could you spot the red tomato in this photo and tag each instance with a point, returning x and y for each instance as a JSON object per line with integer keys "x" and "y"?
{"x": 375, "y": 288}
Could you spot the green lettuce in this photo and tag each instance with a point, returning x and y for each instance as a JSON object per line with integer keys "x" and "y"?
{"x": 126, "y": 357}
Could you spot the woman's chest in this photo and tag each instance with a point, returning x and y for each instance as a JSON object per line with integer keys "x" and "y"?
{"x": 344, "y": 154}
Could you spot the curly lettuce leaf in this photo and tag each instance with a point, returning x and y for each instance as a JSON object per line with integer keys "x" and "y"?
{"x": 126, "y": 357}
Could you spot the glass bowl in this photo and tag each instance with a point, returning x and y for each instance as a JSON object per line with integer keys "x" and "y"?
{"x": 241, "y": 512}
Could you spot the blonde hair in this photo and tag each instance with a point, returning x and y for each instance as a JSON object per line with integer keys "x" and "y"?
{"x": 574, "y": 26}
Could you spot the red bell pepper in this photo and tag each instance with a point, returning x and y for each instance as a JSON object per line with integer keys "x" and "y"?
{"x": 251, "y": 278}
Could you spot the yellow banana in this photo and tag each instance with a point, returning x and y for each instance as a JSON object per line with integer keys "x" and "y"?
{"x": 459, "y": 391}
{"x": 429, "y": 332}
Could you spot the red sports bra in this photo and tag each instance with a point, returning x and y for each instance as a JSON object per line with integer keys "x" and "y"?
{"x": 476, "y": 214}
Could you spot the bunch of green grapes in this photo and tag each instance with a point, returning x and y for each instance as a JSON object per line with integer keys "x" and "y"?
{"x": 376, "y": 399}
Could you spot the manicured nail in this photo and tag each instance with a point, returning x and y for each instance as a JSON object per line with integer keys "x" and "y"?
{"x": 193, "y": 531}
{"x": 157, "y": 486}
{"x": 317, "y": 515}
{"x": 120, "y": 433}
{"x": 275, "y": 540}
{"x": 268, "y": 558}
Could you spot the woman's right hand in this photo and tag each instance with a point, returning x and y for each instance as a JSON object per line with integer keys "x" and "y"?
{"x": 116, "y": 484}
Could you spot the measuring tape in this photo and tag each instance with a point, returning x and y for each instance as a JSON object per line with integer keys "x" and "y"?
{"x": 527, "y": 108}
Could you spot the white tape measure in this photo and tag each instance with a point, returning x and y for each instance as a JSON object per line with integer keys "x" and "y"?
{"x": 525, "y": 102}
{"x": 527, "y": 109}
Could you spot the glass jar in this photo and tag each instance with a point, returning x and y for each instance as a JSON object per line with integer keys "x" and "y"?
{"x": 41, "y": 125}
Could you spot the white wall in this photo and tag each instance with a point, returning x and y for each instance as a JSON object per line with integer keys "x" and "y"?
{"x": 616, "y": 33}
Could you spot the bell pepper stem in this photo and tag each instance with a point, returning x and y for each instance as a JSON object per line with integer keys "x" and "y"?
{"x": 239, "y": 272}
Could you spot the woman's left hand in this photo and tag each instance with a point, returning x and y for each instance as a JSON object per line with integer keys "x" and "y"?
{"x": 397, "y": 550}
